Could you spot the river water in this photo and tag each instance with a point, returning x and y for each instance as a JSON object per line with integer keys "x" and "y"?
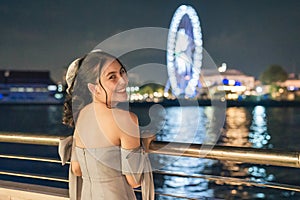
{"x": 257, "y": 127}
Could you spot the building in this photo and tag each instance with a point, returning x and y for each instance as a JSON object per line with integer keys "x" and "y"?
{"x": 292, "y": 86}
{"x": 233, "y": 82}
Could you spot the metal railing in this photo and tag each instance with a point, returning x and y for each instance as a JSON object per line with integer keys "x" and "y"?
{"x": 228, "y": 153}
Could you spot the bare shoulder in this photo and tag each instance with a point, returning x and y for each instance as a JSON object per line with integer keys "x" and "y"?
{"x": 126, "y": 116}
{"x": 133, "y": 117}
{"x": 128, "y": 126}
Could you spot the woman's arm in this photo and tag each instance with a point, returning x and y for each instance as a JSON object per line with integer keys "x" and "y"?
{"x": 130, "y": 139}
{"x": 75, "y": 167}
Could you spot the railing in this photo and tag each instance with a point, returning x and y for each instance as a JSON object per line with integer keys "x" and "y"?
{"x": 229, "y": 153}
{"x": 237, "y": 154}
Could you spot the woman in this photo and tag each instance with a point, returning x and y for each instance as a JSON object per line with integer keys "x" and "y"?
{"x": 108, "y": 150}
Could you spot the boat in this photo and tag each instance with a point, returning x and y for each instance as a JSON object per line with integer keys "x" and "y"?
{"x": 29, "y": 87}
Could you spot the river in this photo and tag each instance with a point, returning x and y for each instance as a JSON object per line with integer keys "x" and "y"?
{"x": 257, "y": 127}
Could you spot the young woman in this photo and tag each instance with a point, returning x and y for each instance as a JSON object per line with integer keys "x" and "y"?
{"x": 107, "y": 139}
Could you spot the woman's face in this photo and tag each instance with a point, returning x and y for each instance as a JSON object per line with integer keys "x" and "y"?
{"x": 114, "y": 80}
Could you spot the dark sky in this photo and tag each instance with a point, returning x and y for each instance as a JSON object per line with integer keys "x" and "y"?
{"x": 248, "y": 35}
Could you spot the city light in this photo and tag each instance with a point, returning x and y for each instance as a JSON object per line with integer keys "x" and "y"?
{"x": 52, "y": 87}
{"x": 231, "y": 88}
{"x": 223, "y": 67}
{"x": 259, "y": 89}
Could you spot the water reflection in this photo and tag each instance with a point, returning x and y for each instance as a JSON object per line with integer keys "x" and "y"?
{"x": 258, "y": 135}
{"x": 189, "y": 125}
{"x": 214, "y": 124}
{"x": 183, "y": 124}
{"x": 236, "y": 127}
{"x": 235, "y": 134}
{"x": 153, "y": 119}
{"x": 245, "y": 129}
{"x": 259, "y": 138}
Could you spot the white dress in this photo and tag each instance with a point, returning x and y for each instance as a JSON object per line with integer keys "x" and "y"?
{"x": 102, "y": 175}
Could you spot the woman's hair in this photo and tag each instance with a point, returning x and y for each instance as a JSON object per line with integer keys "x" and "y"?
{"x": 67, "y": 110}
{"x": 78, "y": 94}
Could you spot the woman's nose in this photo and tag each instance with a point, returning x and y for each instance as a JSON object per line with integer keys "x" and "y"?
{"x": 123, "y": 80}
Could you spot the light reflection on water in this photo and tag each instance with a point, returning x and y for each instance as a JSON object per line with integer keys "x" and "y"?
{"x": 190, "y": 125}
{"x": 183, "y": 124}
{"x": 258, "y": 134}
{"x": 245, "y": 127}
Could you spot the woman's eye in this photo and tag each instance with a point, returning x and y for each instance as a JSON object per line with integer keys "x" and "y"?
{"x": 112, "y": 77}
{"x": 123, "y": 71}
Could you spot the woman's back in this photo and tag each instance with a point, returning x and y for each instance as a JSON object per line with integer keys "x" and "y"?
{"x": 99, "y": 156}
{"x": 96, "y": 127}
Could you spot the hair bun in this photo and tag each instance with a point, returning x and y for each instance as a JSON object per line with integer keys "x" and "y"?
{"x": 71, "y": 74}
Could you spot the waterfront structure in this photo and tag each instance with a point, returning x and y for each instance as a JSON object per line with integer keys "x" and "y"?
{"x": 28, "y": 87}
{"x": 292, "y": 86}
{"x": 231, "y": 81}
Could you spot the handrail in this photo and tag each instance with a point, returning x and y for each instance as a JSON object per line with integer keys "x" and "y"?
{"x": 235, "y": 181}
{"x": 179, "y": 174}
{"x": 220, "y": 179}
{"x": 237, "y": 154}
{"x": 31, "y": 158}
{"x": 24, "y": 138}
{"x": 229, "y": 153}
{"x": 33, "y": 176}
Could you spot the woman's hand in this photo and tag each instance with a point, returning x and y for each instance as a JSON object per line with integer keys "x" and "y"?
{"x": 75, "y": 167}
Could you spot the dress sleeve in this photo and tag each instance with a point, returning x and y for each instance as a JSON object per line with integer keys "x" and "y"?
{"x": 73, "y": 152}
{"x": 135, "y": 162}
{"x": 65, "y": 149}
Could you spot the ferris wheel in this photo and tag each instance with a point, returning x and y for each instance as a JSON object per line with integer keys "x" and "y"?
{"x": 184, "y": 52}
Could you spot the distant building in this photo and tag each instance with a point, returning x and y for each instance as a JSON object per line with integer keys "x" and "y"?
{"x": 291, "y": 84}
{"x": 228, "y": 77}
{"x": 28, "y": 87}
{"x": 237, "y": 76}
{"x": 233, "y": 82}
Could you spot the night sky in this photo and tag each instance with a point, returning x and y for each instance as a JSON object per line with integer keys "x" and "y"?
{"x": 249, "y": 35}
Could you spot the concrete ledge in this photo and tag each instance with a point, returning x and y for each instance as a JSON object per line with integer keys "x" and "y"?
{"x": 21, "y": 191}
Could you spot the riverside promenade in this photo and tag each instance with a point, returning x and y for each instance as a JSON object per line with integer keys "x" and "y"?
{"x": 21, "y": 191}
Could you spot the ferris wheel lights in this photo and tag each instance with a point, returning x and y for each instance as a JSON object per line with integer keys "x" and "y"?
{"x": 195, "y": 20}
{"x": 183, "y": 60}
{"x": 183, "y": 7}
{"x": 194, "y": 82}
{"x": 171, "y": 65}
{"x": 198, "y": 46}
{"x": 196, "y": 71}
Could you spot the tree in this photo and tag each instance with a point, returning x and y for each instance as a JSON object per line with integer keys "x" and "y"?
{"x": 273, "y": 74}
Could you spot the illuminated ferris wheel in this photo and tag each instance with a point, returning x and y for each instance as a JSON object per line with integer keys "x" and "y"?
{"x": 184, "y": 52}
